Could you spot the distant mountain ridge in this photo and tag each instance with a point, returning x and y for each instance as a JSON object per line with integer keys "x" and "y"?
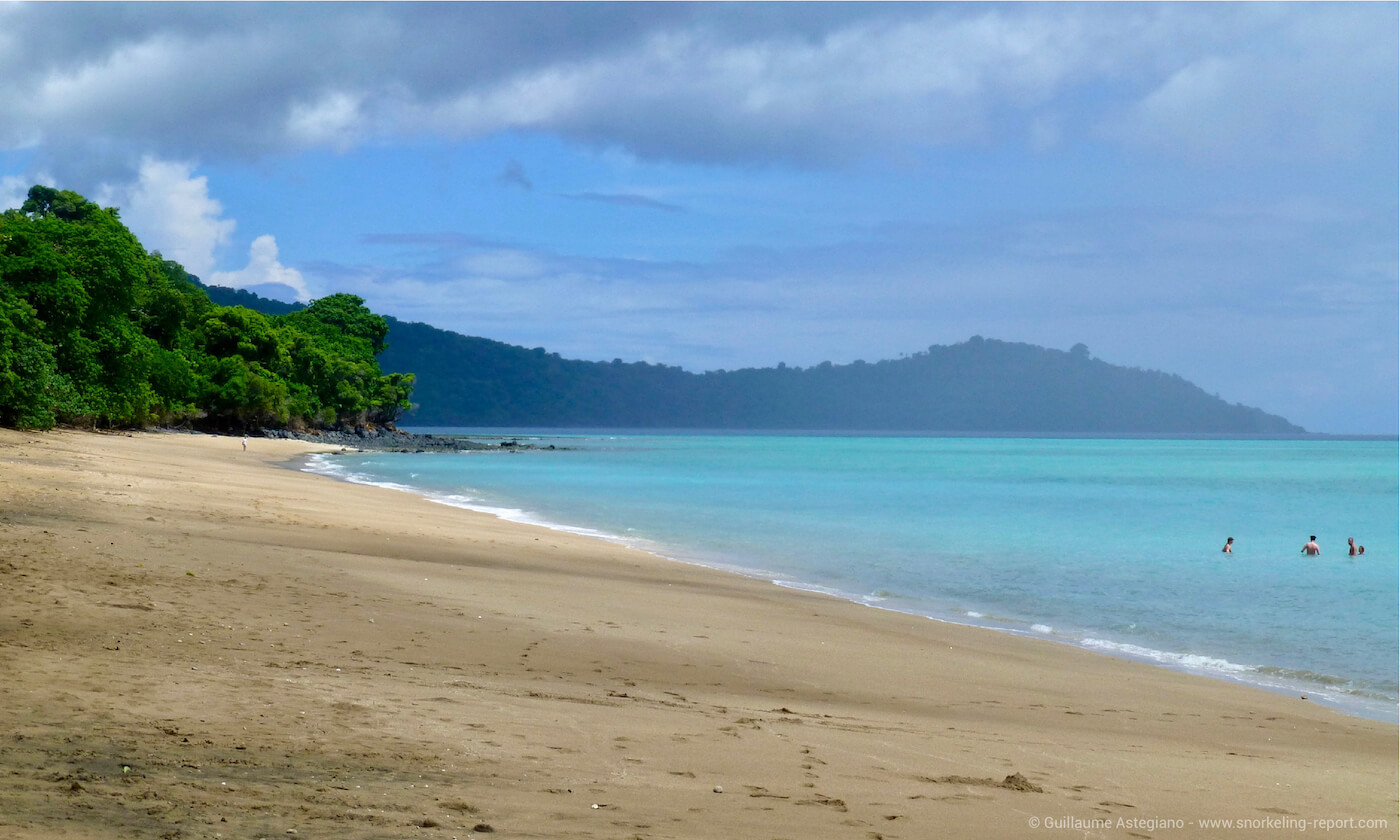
{"x": 981, "y": 385}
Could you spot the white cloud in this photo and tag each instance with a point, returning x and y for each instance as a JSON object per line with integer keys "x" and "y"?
{"x": 927, "y": 81}
{"x": 13, "y": 190}
{"x": 169, "y": 210}
{"x": 99, "y": 88}
{"x": 263, "y": 268}
{"x": 703, "y": 83}
{"x": 1313, "y": 83}
{"x": 333, "y": 120}
{"x": 503, "y": 264}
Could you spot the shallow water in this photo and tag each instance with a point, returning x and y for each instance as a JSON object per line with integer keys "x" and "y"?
{"x": 1108, "y": 544}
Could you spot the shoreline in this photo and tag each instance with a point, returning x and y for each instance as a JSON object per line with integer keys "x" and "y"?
{"x": 200, "y": 643}
{"x": 1372, "y": 708}
{"x": 566, "y": 431}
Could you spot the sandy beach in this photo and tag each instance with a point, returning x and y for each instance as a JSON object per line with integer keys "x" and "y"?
{"x": 196, "y": 642}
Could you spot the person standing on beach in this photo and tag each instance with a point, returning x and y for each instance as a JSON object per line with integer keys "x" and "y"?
{"x": 1229, "y": 545}
{"x": 1311, "y": 548}
{"x": 245, "y": 443}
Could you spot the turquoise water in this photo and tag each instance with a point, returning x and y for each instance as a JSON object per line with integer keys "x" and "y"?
{"x": 1112, "y": 545}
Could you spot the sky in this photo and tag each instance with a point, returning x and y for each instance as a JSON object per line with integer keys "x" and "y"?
{"x": 1211, "y": 190}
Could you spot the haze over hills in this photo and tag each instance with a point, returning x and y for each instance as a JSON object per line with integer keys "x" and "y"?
{"x": 981, "y": 385}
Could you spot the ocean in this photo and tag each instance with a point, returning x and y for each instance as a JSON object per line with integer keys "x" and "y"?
{"x": 1107, "y": 544}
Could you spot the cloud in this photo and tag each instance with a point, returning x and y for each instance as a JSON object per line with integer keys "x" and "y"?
{"x": 698, "y": 94}
{"x": 626, "y": 200}
{"x": 333, "y": 120}
{"x": 263, "y": 269}
{"x": 1260, "y": 105}
{"x": 502, "y": 264}
{"x": 170, "y": 210}
{"x": 96, "y": 87}
{"x": 447, "y": 241}
{"x": 1331, "y": 262}
{"x": 1307, "y": 83}
{"x": 14, "y": 189}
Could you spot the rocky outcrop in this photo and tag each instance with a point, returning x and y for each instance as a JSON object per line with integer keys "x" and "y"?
{"x": 380, "y": 438}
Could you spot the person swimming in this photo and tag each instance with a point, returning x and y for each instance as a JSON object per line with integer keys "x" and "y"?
{"x": 1311, "y": 547}
{"x": 1353, "y": 549}
{"x": 1229, "y": 543}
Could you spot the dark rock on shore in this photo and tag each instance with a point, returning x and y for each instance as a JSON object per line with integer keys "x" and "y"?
{"x": 380, "y": 439}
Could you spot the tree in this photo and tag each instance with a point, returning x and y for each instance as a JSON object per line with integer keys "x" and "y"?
{"x": 78, "y": 267}
{"x": 344, "y": 317}
{"x": 30, "y": 385}
{"x": 95, "y": 331}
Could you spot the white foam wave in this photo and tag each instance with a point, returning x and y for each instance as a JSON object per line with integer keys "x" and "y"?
{"x": 325, "y": 465}
{"x": 320, "y": 464}
{"x": 812, "y": 587}
{"x": 1188, "y": 661}
{"x": 1333, "y": 691}
{"x": 522, "y": 516}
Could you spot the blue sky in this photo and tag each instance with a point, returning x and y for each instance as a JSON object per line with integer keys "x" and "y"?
{"x": 1206, "y": 189}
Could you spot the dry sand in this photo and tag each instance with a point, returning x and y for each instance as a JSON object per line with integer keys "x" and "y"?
{"x": 198, "y": 643}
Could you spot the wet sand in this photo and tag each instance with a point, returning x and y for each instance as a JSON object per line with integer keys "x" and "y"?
{"x": 198, "y": 643}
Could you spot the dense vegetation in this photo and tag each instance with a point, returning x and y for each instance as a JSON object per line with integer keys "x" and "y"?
{"x": 981, "y": 385}
{"x": 95, "y": 331}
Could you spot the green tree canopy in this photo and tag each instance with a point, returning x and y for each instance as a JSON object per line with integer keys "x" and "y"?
{"x": 96, "y": 331}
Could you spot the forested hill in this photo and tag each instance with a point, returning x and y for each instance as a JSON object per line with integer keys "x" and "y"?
{"x": 95, "y": 331}
{"x": 981, "y": 385}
